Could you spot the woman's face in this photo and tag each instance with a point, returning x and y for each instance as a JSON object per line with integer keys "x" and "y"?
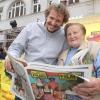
{"x": 75, "y": 36}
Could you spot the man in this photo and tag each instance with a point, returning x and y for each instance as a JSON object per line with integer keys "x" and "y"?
{"x": 82, "y": 52}
{"x": 41, "y": 42}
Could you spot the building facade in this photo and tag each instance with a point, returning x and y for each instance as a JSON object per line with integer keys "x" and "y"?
{"x": 26, "y": 11}
{"x": 23, "y": 11}
{"x": 82, "y": 8}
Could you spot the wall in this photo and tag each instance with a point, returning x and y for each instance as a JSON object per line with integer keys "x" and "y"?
{"x": 92, "y": 23}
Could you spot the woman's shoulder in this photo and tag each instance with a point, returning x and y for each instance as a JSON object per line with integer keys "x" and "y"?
{"x": 94, "y": 47}
{"x": 63, "y": 53}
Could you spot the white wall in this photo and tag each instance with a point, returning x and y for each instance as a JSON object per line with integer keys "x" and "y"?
{"x": 22, "y": 20}
{"x": 97, "y": 6}
{"x": 84, "y": 8}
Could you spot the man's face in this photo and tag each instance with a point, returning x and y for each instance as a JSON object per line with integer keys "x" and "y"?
{"x": 53, "y": 21}
{"x": 75, "y": 36}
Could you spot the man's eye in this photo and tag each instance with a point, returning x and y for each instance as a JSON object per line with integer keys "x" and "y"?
{"x": 51, "y": 18}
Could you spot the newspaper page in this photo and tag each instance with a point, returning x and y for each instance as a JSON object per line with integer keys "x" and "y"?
{"x": 20, "y": 85}
{"x": 46, "y": 82}
{"x": 51, "y": 82}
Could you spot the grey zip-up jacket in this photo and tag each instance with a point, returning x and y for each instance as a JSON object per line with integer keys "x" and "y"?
{"x": 38, "y": 44}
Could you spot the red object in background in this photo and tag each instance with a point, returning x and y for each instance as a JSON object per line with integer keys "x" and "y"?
{"x": 94, "y": 37}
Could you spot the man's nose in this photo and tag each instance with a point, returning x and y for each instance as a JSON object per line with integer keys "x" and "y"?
{"x": 54, "y": 22}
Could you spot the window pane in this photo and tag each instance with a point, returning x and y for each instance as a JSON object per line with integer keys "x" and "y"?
{"x": 24, "y": 11}
{"x": 13, "y": 11}
{"x": 64, "y": 2}
{"x": 35, "y": 1}
{"x": 0, "y": 16}
{"x": 9, "y": 14}
{"x": 21, "y": 11}
{"x": 39, "y": 7}
{"x": 35, "y": 8}
{"x": 17, "y": 12}
{"x": 14, "y": 5}
{"x": 18, "y": 3}
{"x": 1, "y": 9}
{"x": 70, "y": 1}
{"x": 76, "y": 0}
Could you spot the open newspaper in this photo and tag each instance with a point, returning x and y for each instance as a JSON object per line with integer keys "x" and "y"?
{"x": 35, "y": 81}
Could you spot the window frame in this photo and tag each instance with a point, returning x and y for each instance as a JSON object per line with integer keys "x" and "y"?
{"x": 73, "y": 2}
{"x": 36, "y": 3}
{"x": 1, "y": 11}
{"x": 18, "y": 5}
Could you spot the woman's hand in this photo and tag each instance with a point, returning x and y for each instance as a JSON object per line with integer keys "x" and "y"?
{"x": 88, "y": 90}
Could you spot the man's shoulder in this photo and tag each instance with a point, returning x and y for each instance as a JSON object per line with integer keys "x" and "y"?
{"x": 62, "y": 29}
{"x": 33, "y": 24}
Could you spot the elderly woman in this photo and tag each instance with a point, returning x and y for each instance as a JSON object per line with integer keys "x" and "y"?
{"x": 82, "y": 52}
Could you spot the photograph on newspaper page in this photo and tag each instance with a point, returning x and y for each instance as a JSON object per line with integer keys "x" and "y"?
{"x": 55, "y": 82}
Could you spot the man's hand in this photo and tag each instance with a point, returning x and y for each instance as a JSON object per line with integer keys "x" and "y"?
{"x": 7, "y": 64}
{"x": 88, "y": 90}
